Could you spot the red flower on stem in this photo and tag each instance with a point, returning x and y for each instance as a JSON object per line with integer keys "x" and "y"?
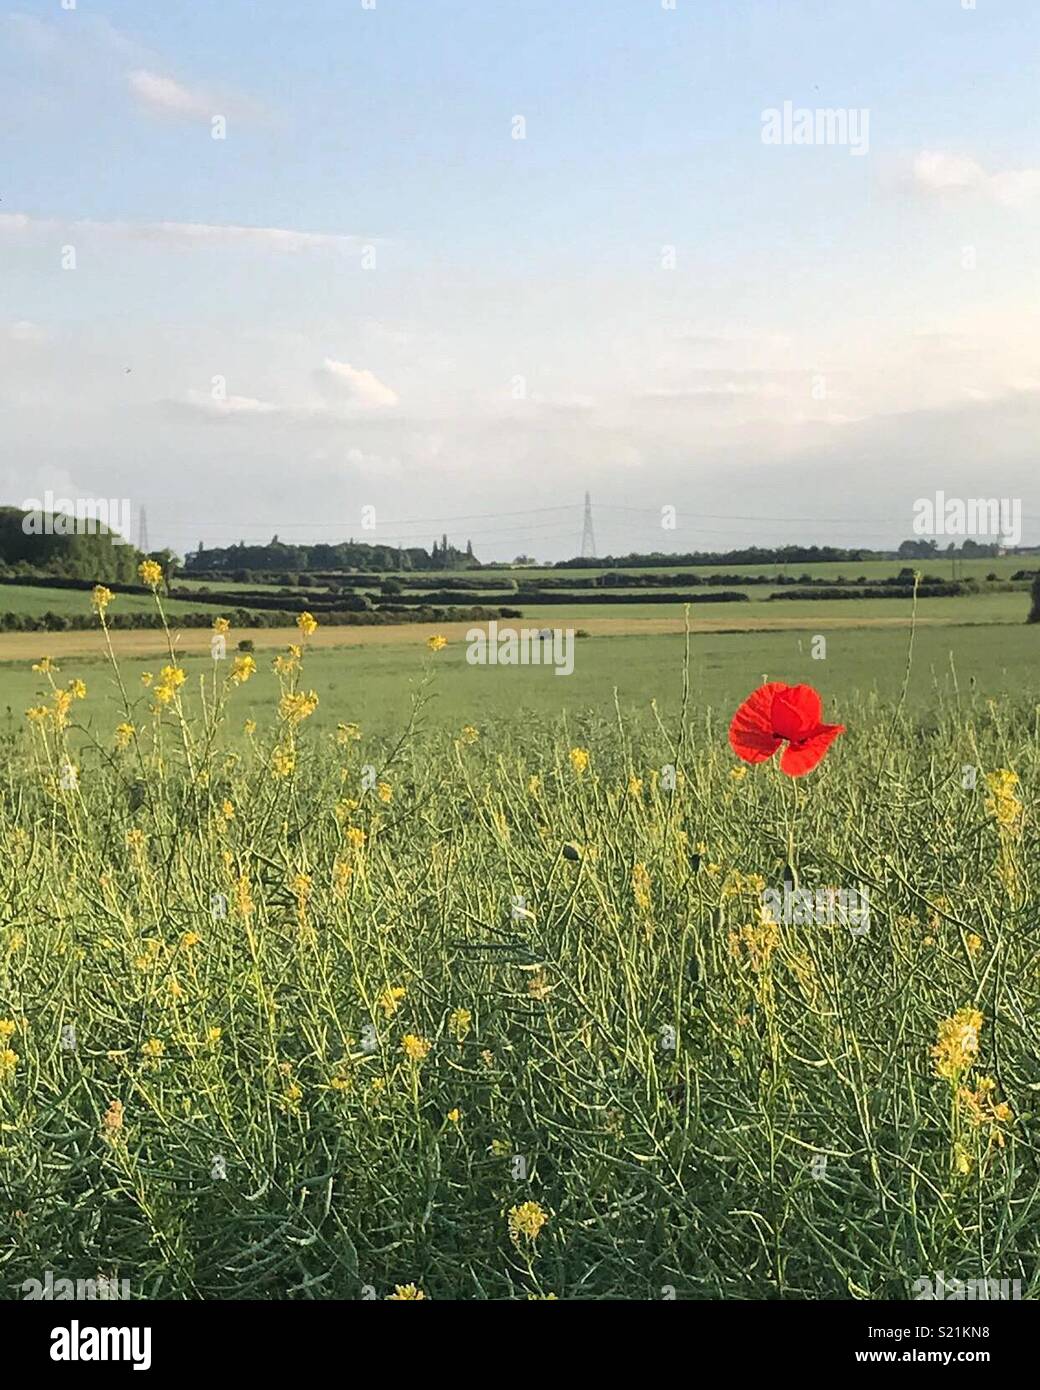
{"x": 776, "y": 714}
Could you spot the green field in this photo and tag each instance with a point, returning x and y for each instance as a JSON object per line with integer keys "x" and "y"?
{"x": 511, "y": 1024}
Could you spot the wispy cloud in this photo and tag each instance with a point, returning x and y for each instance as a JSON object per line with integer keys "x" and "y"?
{"x": 939, "y": 173}
{"x": 188, "y": 233}
{"x": 163, "y": 94}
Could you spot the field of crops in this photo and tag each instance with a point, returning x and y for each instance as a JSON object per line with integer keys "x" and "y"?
{"x": 383, "y": 972}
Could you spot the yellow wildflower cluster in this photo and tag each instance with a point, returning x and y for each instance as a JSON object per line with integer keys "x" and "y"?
{"x": 295, "y": 706}
{"x": 151, "y": 573}
{"x": 526, "y": 1222}
{"x": 641, "y": 887}
{"x": 983, "y": 1112}
{"x": 1003, "y": 802}
{"x": 242, "y": 668}
{"x": 579, "y": 759}
{"x": 958, "y": 1043}
{"x": 171, "y": 678}
{"x": 754, "y": 944}
{"x": 415, "y": 1048}
{"x": 307, "y": 623}
{"x": 283, "y": 761}
{"x": 390, "y": 1000}
{"x": 404, "y": 1293}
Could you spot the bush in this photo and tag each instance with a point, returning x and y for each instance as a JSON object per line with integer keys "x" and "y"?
{"x": 1034, "y": 615}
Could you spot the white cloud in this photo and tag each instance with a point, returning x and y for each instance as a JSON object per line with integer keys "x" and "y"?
{"x": 163, "y": 94}
{"x": 940, "y": 172}
{"x": 190, "y": 233}
{"x": 358, "y": 385}
{"x": 26, "y": 332}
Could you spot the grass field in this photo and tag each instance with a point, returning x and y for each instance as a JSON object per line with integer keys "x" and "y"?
{"x": 501, "y": 1018}
{"x": 467, "y": 998}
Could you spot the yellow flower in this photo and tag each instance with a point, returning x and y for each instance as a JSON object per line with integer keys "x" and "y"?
{"x": 526, "y": 1222}
{"x": 1003, "y": 802}
{"x": 7, "y": 1029}
{"x": 146, "y": 679}
{"x": 283, "y": 760}
{"x": 190, "y": 939}
{"x": 641, "y": 887}
{"x": 37, "y": 714}
{"x": 307, "y": 624}
{"x": 385, "y": 792}
{"x": 112, "y": 1120}
{"x": 635, "y": 787}
{"x": 173, "y": 676}
{"x": 294, "y": 707}
{"x": 77, "y": 690}
{"x": 151, "y": 573}
{"x": 538, "y": 986}
{"x": 579, "y": 759}
{"x": 213, "y": 1036}
{"x": 390, "y": 1000}
{"x": 974, "y": 944}
{"x": 124, "y": 733}
{"x": 227, "y": 810}
{"x": 468, "y": 734}
{"x": 243, "y": 896}
{"x": 958, "y": 1043}
{"x": 737, "y": 774}
{"x": 416, "y": 1049}
{"x": 135, "y": 839}
{"x": 241, "y": 669}
{"x": 403, "y": 1293}
{"x": 534, "y": 785}
{"x": 983, "y": 1112}
{"x": 342, "y": 872}
{"x": 153, "y": 1049}
{"x": 100, "y": 598}
{"x": 454, "y": 1116}
{"x": 174, "y": 987}
{"x": 347, "y": 733}
{"x": 44, "y": 665}
{"x": 8, "y": 1062}
{"x": 459, "y": 1023}
{"x": 62, "y": 705}
{"x": 436, "y": 643}
{"x": 221, "y": 625}
{"x": 354, "y": 836}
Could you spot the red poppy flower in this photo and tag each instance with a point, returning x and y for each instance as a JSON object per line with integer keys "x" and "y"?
{"x": 776, "y": 714}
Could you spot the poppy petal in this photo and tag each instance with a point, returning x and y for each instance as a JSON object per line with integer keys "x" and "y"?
{"x": 751, "y": 733}
{"x": 802, "y": 756}
{"x": 796, "y": 713}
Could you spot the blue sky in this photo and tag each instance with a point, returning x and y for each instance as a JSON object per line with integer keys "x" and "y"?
{"x": 640, "y": 297}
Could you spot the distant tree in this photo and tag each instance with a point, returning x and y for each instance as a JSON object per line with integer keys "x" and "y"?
{"x": 1034, "y": 615}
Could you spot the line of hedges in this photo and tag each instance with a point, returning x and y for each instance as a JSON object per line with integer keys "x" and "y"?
{"x": 951, "y": 590}
{"x": 385, "y": 617}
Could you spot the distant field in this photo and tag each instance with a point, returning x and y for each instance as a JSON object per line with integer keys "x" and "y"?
{"x": 28, "y": 598}
{"x": 372, "y": 682}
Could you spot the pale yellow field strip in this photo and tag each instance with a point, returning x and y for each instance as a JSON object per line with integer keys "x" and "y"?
{"x": 31, "y": 646}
